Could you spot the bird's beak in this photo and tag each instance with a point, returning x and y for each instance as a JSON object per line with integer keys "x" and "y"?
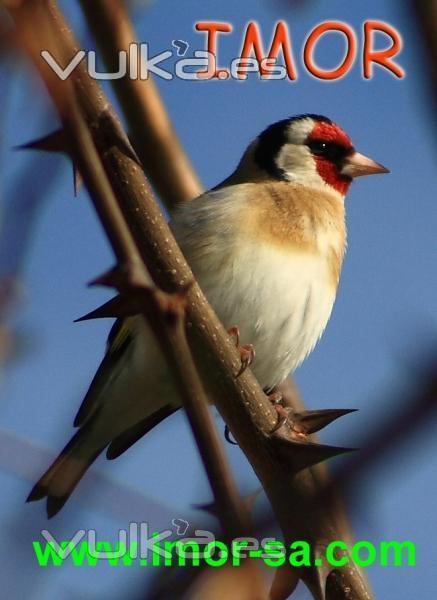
{"x": 357, "y": 164}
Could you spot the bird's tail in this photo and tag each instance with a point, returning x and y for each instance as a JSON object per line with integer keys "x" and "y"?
{"x": 59, "y": 481}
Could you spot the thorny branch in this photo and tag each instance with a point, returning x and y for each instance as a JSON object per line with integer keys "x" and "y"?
{"x": 164, "y": 312}
{"x": 276, "y": 458}
{"x": 150, "y": 128}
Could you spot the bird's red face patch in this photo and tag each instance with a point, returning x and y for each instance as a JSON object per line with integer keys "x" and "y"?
{"x": 330, "y": 132}
{"x": 328, "y": 168}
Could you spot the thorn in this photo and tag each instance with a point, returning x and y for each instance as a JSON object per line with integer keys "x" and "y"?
{"x": 53, "y": 142}
{"x": 303, "y": 454}
{"x": 110, "y": 278}
{"x": 301, "y": 424}
{"x": 137, "y": 292}
{"x": 120, "y": 306}
{"x": 310, "y": 421}
{"x": 109, "y": 123}
{"x": 38, "y": 492}
{"x": 130, "y": 275}
{"x": 54, "y": 505}
{"x": 210, "y": 508}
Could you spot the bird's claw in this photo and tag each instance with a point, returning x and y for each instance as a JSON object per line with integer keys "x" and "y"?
{"x": 247, "y": 354}
{"x": 284, "y": 414}
{"x": 276, "y": 399}
{"x": 228, "y": 437}
{"x": 285, "y": 418}
{"x": 247, "y": 351}
{"x": 235, "y": 332}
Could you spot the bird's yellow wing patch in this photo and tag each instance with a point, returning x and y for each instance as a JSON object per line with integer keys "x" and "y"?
{"x": 121, "y": 331}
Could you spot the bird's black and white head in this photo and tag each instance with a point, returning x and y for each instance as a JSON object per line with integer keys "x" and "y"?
{"x": 310, "y": 150}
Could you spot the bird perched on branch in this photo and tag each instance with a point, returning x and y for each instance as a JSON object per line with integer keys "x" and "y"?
{"x": 266, "y": 247}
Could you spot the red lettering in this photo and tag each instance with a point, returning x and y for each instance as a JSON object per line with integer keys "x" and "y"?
{"x": 281, "y": 41}
{"x": 212, "y": 29}
{"x": 381, "y": 57}
{"x": 348, "y": 60}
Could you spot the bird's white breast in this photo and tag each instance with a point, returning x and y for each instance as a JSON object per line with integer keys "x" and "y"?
{"x": 281, "y": 303}
{"x": 280, "y": 299}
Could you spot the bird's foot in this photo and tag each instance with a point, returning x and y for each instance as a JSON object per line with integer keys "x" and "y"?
{"x": 247, "y": 351}
{"x": 276, "y": 399}
{"x": 285, "y": 416}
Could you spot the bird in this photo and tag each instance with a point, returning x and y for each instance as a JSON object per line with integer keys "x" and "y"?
{"x": 266, "y": 246}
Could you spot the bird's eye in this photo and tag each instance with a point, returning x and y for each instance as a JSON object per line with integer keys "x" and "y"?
{"x": 329, "y": 150}
{"x": 319, "y": 147}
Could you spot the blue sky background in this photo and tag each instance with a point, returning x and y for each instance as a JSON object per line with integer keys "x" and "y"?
{"x": 384, "y": 311}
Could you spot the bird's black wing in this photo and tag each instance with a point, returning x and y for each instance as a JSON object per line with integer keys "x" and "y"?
{"x": 129, "y": 437}
{"x": 120, "y": 341}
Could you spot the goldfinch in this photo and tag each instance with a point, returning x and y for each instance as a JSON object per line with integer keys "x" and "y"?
{"x": 266, "y": 247}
